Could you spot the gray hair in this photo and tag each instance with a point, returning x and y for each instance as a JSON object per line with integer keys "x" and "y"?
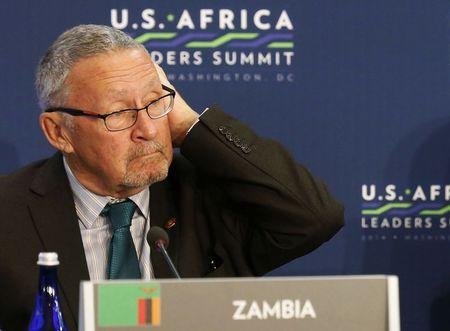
{"x": 79, "y": 42}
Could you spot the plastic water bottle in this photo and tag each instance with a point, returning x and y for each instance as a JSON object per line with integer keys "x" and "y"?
{"x": 47, "y": 314}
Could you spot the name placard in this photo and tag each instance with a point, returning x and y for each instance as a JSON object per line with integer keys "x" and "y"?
{"x": 300, "y": 303}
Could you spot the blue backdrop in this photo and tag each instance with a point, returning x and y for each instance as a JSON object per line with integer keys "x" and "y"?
{"x": 357, "y": 90}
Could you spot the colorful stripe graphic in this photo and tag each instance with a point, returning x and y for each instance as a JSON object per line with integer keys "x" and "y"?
{"x": 143, "y": 38}
{"x": 385, "y": 208}
{"x": 149, "y": 312}
{"x": 221, "y": 40}
{"x": 281, "y": 44}
{"x": 181, "y": 40}
{"x": 231, "y": 39}
{"x": 270, "y": 37}
{"x": 441, "y": 211}
{"x": 400, "y": 209}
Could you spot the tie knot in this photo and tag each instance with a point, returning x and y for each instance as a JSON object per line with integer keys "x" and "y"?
{"x": 120, "y": 214}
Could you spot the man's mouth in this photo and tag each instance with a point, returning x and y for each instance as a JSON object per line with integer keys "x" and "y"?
{"x": 147, "y": 155}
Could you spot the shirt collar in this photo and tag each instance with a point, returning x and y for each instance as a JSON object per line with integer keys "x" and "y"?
{"x": 89, "y": 205}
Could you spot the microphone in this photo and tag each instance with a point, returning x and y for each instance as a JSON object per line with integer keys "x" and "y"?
{"x": 158, "y": 239}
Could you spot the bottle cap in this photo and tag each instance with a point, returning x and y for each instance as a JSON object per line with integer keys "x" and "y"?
{"x": 48, "y": 259}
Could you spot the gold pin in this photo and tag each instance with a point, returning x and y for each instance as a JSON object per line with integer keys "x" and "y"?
{"x": 170, "y": 223}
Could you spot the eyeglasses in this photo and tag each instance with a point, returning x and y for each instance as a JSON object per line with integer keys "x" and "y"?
{"x": 124, "y": 119}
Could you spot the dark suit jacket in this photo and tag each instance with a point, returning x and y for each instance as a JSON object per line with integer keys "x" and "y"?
{"x": 242, "y": 205}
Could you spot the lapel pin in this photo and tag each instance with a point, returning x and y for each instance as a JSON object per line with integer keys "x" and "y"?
{"x": 170, "y": 223}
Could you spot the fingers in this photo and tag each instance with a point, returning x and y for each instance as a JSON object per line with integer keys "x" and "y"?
{"x": 162, "y": 75}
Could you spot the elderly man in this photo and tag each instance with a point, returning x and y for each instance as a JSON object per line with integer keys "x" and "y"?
{"x": 233, "y": 203}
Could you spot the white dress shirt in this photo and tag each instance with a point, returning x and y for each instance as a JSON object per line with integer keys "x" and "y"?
{"x": 96, "y": 230}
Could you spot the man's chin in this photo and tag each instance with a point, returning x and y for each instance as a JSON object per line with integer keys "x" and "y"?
{"x": 146, "y": 175}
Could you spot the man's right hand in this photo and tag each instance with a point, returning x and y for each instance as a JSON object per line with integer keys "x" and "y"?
{"x": 182, "y": 117}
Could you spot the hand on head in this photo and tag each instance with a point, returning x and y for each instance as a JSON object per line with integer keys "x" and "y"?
{"x": 182, "y": 117}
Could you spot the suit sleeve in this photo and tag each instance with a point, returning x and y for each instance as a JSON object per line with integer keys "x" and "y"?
{"x": 288, "y": 211}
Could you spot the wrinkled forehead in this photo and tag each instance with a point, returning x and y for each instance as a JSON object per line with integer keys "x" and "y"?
{"x": 116, "y": 73}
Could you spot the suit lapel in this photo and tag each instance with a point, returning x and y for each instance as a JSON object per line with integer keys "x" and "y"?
{"x": 162, "y": 211}
{"x": 54, "y": 216}
{"x": 53, "y": 212}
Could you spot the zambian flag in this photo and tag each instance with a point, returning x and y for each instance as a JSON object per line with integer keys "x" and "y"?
{"x": 129, "y": 304}
{"x": 149, "y": 311}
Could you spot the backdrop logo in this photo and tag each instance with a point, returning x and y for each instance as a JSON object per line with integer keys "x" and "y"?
{"x": 416, "y": 213}
{"x": 220, "y": 45}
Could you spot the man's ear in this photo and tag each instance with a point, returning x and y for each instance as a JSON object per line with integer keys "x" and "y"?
{"x": 55, "y": 131}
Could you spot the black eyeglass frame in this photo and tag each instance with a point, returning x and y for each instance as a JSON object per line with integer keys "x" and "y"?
{"x": 76, "y": 112}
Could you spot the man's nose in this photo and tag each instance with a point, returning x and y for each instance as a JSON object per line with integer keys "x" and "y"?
{"x": 144, "y": 128}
